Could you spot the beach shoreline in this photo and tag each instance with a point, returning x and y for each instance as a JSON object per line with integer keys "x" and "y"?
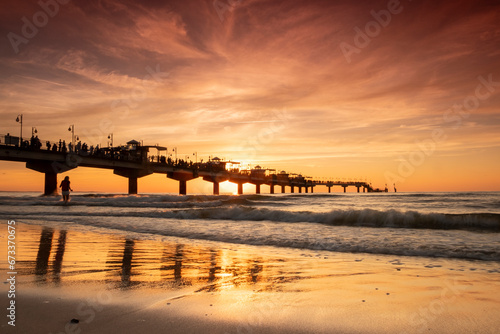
{"x": 114, "y": 283}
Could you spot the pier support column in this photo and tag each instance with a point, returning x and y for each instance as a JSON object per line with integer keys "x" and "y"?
{"x": 282, "y": 189}
{"x": 216, "y": 180}
{"x": 358, "y": 188}
{"x": 50, "y": 184}
{"x": 240, "y": 188}
{"x": 182, "y": 187}
{"x": 300, "y": 190}
{"x": 329, "y": 189}
{"x": 257, "y": 188}
{"x": 182, "y": 177}
{"x": 307, "y": 189}
{"x": 364, "y": 189}
{"x": 345, "y": 187}
{"x": 132, "y": 185}
{"x": 292, "y": 190}
{"x": 132, "y": 175}
{"x": 271, "y": 188}
{"x": 312, "y": 190}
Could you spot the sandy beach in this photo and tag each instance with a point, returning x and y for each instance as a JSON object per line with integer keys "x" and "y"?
{"x": 108, "y": 283}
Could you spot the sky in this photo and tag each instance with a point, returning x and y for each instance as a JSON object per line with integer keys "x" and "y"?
{"x": 404, "y": 92}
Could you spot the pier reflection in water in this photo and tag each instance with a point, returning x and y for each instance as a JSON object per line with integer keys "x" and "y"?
{"x": 42, "y": 258}
{"x": 66, "y": 257}
{"x": 58, "y": 258}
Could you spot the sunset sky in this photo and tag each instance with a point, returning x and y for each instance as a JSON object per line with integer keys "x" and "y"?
{"x": 387, "y": 91}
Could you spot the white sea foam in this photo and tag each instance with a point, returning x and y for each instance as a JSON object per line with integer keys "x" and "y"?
{"x": 465, "y": 226}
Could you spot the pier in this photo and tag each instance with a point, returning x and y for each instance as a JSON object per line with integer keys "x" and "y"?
{"x": 134, "y": 161}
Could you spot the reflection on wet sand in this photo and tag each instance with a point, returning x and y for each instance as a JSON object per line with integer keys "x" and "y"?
{"x": 172, "y": 263}
{"x": 249, "y": 289}
{"x": 126, "y": 263}
{"x": 128, "y": 253}
{"x": 58, "y": 258}
{"x": 42, "y": 258}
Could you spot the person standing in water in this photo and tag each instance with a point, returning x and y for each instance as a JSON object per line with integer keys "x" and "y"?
{"x": 66, "y": 188}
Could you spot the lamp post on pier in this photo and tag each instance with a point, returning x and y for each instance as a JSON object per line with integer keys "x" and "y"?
{"x": 33, "y": 131}
{"x": 19, "y": 119}
{"x": 196, "y": 157}
{"x": 72, "y": 129}
{"x": 110, "y": 137}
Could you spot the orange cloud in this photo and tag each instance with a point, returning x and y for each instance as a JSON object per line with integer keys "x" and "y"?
{"x": 268, "y": 83}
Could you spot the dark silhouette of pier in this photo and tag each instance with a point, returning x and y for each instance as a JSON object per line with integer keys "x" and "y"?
{"x": 135, "y": 160}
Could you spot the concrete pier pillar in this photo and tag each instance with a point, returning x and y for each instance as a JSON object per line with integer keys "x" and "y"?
{"x": 358, "y": 188}
{"x": 132, "y": 175}
{"x": 345, "y": 188}
{"x": 240, "y": 188}
{"x": 257, "y": 188}
{"x": 300, "y": 190}
{"x": 292, "y": 190}
{"x": 282, "y": 189}
{"x": 216, "y": 180}
{"x": 271, "y": 188}
{"x": 132, "y": 185}
{"x": 312, "y": 190}
{"x": 50, "y": 184}
{"x": 182, "y": 187}
{"x": 364, "y": 189}
{"x": 329, "y": 189}
{"x": 307, "y": 189}
{"x": 182, "y": 177}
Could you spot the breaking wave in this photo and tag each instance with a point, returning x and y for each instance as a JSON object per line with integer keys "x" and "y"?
{"x": 482, "y": 222}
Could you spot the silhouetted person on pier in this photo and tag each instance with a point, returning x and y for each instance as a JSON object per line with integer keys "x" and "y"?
{"x": 54, "y": 148}
{"x": 48, "y": 145}
{"x": 63, "y": 149}
{"x": 66, "y": 188}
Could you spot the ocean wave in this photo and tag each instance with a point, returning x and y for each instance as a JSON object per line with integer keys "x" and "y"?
{"x": 361, "y": 218}
{"x": 482, "y": 222}
{"x": 147, "y": 201}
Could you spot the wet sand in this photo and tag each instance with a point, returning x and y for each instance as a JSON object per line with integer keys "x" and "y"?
{"x": 146, "y": 284}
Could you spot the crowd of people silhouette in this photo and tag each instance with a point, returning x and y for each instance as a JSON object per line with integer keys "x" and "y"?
{"x": 137, "y": 154}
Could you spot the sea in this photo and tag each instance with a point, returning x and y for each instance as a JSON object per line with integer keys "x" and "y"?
{"x": 451, "y": 225}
